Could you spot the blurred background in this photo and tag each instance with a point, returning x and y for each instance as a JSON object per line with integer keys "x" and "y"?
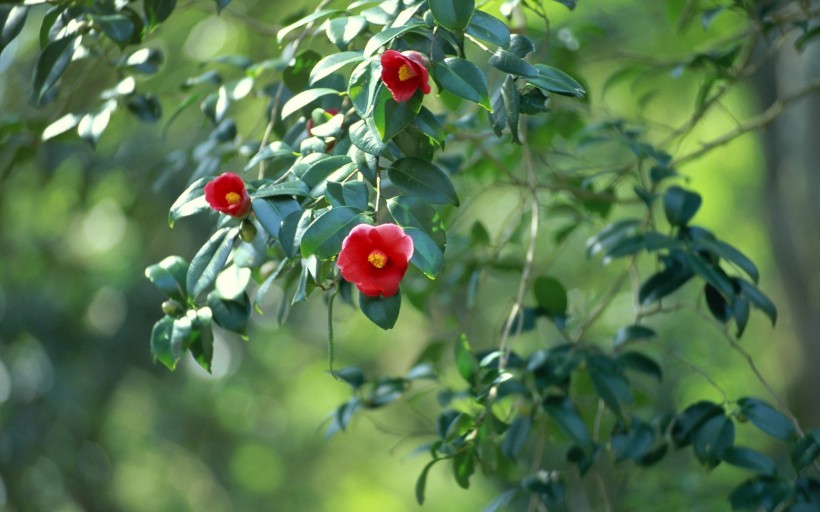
{"x": 89, "y": 422}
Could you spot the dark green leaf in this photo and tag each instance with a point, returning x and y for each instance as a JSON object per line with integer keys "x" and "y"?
{"x": 740, "y": 310}
{"x": 190, "y": 202}
{"x": 758, "y": 299}
{"x": 323, "y": 237}
{"x": 298, "y": 74}
{"x": 550, "y": 295}
{"x": 427, "y": 256}
{"x": 638, "y": 362}
{"x": 760, "y": 493}
{"x": 633, "y": 443}
{"x": 728, "y": 253}
{"x": 221, "y": 4}
{"x": 510, "y": 63}
{"x": 663, "y": 283}
{"x": 750, "y": 459}
{"x": 715, "y": 436}
{"x": 521, "y": 45}
{"x": 144, "y": 60}
{"x": 277, "y": 151}
{"x": 382, "y": 311}
{"x": 767, "y": 418}
{"x": 319, "y": 171}
{"x": 466, "y": 363}
{"x": 489, "y": 28}
{"x": 145, "y": 106}
{"x": 680, "y": 205}
{"x": 632, "y": 333}
{"x": 421, "y": 483}
{"x": 230, "y": 314}
{"x": 413, "y": 212}
{"x": 12, "y": 20}
{"x": 364, "y": 136}
{"x": 286, "y": 188}
{"x": 387, "y": 35}
{"x": 158, "y": 11}
{"x": 119, "y": 28}
{"x": 271, "y": 213}
{"x": 341, "y": 31}
{"x": 516, "y": 436}
{"x": 202, "y": 339}
{"x": 51, "y": 64}
{"x": 424, "y": 180}
{"x": 353, "y": 193}
{"x": 452, "y": 14}
{"x": 464, "y": 79}
{"x": 169, "y": 275}
{"x": 712, "y": 273}
{"x": 554, "y": 80}
{"x": 689, "y": 421}
{"x": 390, "y": 117}
{"x": 333, "y": 63}
{"x": 609, "y": 382}
{"x": 806, "y": 449}
{"x": 209, "y": 261}
{"x": 717, "y": 304}
{"x": 464, "y": 467}
{"x": 611, "y": 236}
{"x": 565, "y": 415}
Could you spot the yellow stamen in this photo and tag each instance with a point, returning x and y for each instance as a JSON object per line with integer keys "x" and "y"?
{"x": 406, "y": 72}
{"x": 232, "y": 198}
{"x": 377, "y": 258}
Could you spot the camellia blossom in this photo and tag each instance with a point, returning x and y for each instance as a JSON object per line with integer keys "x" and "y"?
{"x": 405, "y": 72}
{"x": 374, "y": 258}
{"x": 227, "y": 194}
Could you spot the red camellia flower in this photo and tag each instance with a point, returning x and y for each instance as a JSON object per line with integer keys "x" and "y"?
{"x": 404, "y": 72}
{"x": 227, "y": 194}
{"x": 374, "y": 258}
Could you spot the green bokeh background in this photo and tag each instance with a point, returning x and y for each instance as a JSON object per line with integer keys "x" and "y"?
{"x": 88, "y": 422}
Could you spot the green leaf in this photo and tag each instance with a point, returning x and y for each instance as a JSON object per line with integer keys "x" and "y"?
{"x": 209, "y": 261}
{"x": 758, "y": 299}
{"x": 750, "y": 459}
{"x": 286, "y": 188}
{"x": 512, "y": 64}
{"x": 202, "y": 339}
{"x": 117, "y": 27}
{"x": 272, "y": 212}
{"x": 316, "y": 15}
{"x": 12, "y": 20}
{"x": 466, "y": 363}
{"x": 221, "y": 4}
{"x": 521, "y": 45}
{"x": 341, "y": 31}
{"x": 387, "y": 35}
{"x": 382, "y": 311}
{"x": 363, "y": 85}
{"x": 663, "y": 283}
{"x": 230, "y": 314}
{"x": 353, "y": 193}
{"x": 158, "y": 11}
{"x": 680, "y": 205}
{"x": 169, "y": 275}
{"x": 297, "y": 75}
{"x": 760, "y": 493}
{"x": 428, "y": 124}
{"x": 464, "y": 79}
{"x": 566, "y": 416}
{"x": 512, "y": 106}
{"x": 411, "y": 212}
{"x": 632, "y": 333}
{"x": 144, "y": 60}
{"x": 277, "y": 151}
{"x": 712, "y": 273}
{"x": 767, "y": 418}
{"x": 516, "y": 436}
{"x": 503, "y": 500}
{"x": 713, "y": 438}
{"x": 489, "y": 28}
{"x": 638, "y": 362}
{"x": 728, "y": 253}
{"x": 806, "y": 449}
{"x": 689, "y": 421}
{"x": 452, "y": 14}
{"x": 364, "y": 136}
{"x": 305, "y": 98}
{"x": 320, "y": 170}
{"x": 145, "y": 106}
{"x": 332, "y": 63}
{"x": 423, "y": 179}
{"x": 391, "y": 117}
{"x": 190, "y": 202}
{"x": 611, "y": 236}
{"x": 427, "y": 255}
{"x": 51, "y": 64}
{"x": 551, "y": 296}
{"x": 554, "y": 80}
{"x": 421, "y": 482}
{"x": 609, "y": 383}
{"x": 464, "y": 466}
{"x": 92, "y": 126}
{"x": 161, "y": 342}
{"x": 324, "y": 236}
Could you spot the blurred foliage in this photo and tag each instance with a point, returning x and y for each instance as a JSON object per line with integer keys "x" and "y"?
{"x": 167, "y": 94}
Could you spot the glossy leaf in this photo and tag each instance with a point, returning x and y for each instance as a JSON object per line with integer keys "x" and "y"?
{"x": 551, "y": 296}
{"x": 169, "y": 275}
{"x": 729, "y": 253}
{"x": 305, "y": 98}
{"x": 510, "y": 63}
{"x": 324, "y": 236}
{"x": 190, "y": 202}
{"x": 420, "y": 178}
{"x": 382, "y": 311}
{"x": 272, "y": 211}
{"x": 427, "y": 256}
{"x": 51, "y": 64}
{"x": 565, "y": 415}
{"x": 333, "y": 63}
{"x": 158, "y": 11}
{"x": 230, "y": 314}
{"x": 748, "y": 458}
{"x": 631, "y": 333}
{"x": 713, "y": 438}
{"x": 452, "y": 14}
{"x": 209, "y": 261}
{"x": 385, "y": 36}
{"x": 489, "y": 28}
{"x": 554, "y": 80}
{"x": 342, "y": 31}
{"x": 516, "y": 436}
{"x": 12, "y": 20}
{"x": 391, "y": 117}
{"x": 464, "y": 79}
{"x": 161, "y": 348}
{"x": 637, "y": 362}
{"x": 758, "y": 299}
{"x": 663, "y": 283}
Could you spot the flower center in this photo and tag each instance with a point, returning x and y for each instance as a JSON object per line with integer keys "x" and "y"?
{"x": 232, "y": 198}
{"x": 377, "y": 258}
{"x": 406, "y": 72}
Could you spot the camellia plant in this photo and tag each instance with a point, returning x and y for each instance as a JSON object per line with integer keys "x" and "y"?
{"x": 383, "y": 119}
